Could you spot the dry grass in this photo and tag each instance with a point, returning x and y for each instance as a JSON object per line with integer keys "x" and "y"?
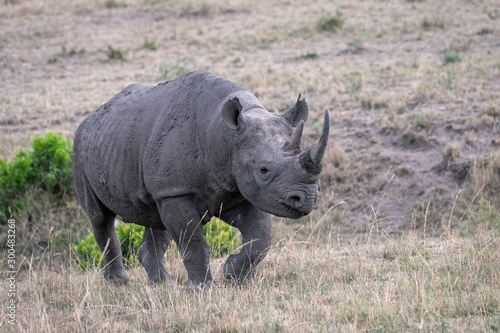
{"x": 408, "y": 284}
{"x": 414, "y": 93}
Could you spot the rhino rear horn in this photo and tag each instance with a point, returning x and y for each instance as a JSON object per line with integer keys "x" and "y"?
{"x": 295, "y": 143}
{"x": 311, "y": 160}
{"x": 231, "y": 113}
{"x": 296, "y": 112}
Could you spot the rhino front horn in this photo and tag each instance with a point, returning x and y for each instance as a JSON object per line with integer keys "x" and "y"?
{"x": 311, "y": 160}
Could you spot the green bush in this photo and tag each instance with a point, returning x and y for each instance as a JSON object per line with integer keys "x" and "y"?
{"x": 46, "y": 166}
{"x": 88, "y": 252}
{"x": 220, "y": 236}
{"x": 130, "y": 237}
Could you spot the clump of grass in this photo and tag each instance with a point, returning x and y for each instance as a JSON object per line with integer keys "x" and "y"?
{"x": 484, "y": 31}
{"x": 331, "y": 22}
{"x": 204, "y": 10}
{"x": 308, "y": 55}
{"x": 453, "y": 150}
{"x": 483, "y": 214}
{"x": 451, "y": 57}
{"x": 357, "y": 44}
{"x": 149, "y": 44}
{"x": 178, "y": 69}
{"x": 116, "y": 53}
{"x": 434, "y": 22}
{"x": 446, "y": 79}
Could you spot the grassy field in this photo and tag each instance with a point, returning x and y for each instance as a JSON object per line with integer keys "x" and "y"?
{"x": 405, "y": 236}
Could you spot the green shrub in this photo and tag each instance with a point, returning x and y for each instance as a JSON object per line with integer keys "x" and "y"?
{"x": 46, "y": 166}
{"x": 88, "y": 252}
{"x": 130, "y": 237}
{"x": 220, "y": 236}
{"x": 221, "y": 239}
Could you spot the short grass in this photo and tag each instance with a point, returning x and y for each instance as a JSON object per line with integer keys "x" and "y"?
{"x": 446, "y": 284}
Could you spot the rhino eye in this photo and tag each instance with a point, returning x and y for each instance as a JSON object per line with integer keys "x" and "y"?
{"x": 264, "y": 170}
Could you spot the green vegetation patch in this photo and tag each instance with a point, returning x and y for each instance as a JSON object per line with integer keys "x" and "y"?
{"x": 46, "y": 166}
{"x": 220, "y": 236}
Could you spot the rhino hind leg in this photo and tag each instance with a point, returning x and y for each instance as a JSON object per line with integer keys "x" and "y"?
{"x": 154, "y": 244}
{"x": 103, "y": 226}
{"x": 255, "y": 227}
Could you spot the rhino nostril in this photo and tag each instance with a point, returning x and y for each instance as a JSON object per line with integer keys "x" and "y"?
{"x": 296, "y": 200}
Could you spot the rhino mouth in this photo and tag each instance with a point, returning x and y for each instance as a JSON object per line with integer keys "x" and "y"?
{"x": 292, "y": 211}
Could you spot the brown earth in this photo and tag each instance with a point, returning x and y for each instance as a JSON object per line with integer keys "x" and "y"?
{"x": 413, "y": 86}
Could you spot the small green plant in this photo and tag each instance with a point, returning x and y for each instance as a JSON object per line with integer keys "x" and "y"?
{"x": 308, "y": 55}
{"x": 116, "y": 53}
{"x": 205, "y": 9}
{"x": 450, "y": 57}
{"x": 484, "y": 31}
{"x": 46, "y": 166}
{"x": 435, "y": 22}
{"x": 356, "y": 44}
{"x": 52, "y": 60}
{"x": 331, "y": 23}
{"x": 178, "y": 69}
{"x": 446, "y": 79}
{"x": 150, "y": 44}
{"x": 420, "y": 121}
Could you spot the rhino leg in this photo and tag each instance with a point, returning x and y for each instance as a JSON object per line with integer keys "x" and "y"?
{"x": 255, "y": 226}
{"x": 183, "y": 224}
{"x": 154, "y": 245}
{"x": 103, "y": 226}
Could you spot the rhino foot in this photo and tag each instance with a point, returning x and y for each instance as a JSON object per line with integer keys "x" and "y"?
{"x": 116, "y": 278}
{"x": 237, "y": 270}
{"x": 159, "y": 277}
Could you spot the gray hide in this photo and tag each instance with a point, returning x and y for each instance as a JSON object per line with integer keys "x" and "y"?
{"x": 172, "y": 156}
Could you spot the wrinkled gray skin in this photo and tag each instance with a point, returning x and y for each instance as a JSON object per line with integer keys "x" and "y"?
{"x": 172, "y": 156}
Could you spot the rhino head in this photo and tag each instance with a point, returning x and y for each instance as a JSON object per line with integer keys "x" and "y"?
{"x": 269, "y": 167}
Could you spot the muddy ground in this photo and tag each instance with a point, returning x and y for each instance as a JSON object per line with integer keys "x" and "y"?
{"x": 413, "y": 86}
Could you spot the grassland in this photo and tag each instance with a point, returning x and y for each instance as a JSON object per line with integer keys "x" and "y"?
{"x": 405, "y": 237}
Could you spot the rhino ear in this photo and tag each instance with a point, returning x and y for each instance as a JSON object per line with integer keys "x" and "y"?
{"x": 231, "y": 113}
{"x": 296, "y": 112}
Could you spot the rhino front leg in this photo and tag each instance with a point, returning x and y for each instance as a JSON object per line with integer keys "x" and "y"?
{"x": 103, "y": 226}
{"x": 184, "y": 225}
{"x": 154, "y": 245}
{"x": 255, "y": 226}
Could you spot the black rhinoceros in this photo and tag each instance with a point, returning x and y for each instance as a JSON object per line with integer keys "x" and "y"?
{"x": 172, "y": 156}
